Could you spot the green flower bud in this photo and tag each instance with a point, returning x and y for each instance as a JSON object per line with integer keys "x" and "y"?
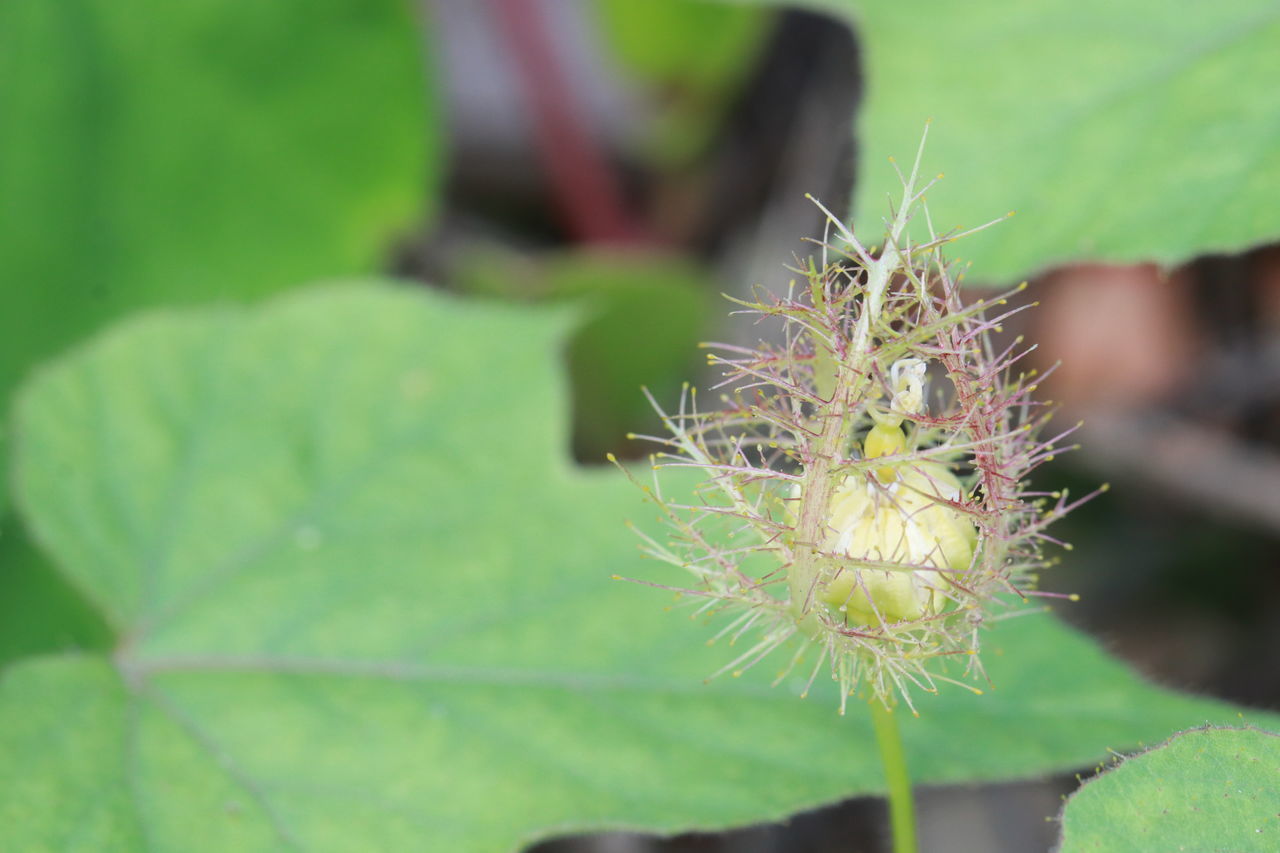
{"x": 884, "y": 440}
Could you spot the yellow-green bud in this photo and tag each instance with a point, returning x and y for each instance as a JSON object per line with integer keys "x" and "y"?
{"x": 884, "y": 440}
{"x": 901, "y": 522}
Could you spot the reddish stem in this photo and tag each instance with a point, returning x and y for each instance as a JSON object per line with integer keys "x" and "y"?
{"x": 583, "y": 183}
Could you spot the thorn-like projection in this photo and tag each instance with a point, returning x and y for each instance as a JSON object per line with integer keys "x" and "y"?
{"x": 864, "y": 503}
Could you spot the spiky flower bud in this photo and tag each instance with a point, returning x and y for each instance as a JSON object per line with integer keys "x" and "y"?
{"x": 865, "y": 495}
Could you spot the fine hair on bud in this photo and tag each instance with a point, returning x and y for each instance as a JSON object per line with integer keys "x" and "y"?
{"x": 864, "y": 508}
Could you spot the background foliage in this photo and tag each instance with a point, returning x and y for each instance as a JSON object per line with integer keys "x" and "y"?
{"x": 1121, "y": 132}
{"x": 335, "y": 573}
{"x": 163, "y": 153}
{"x": 318, "y": 573}
{"x": 172, "y": 153}
{"x": 1205, "y": 789}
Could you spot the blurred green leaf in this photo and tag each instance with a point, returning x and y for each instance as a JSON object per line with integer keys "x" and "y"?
{"x": 690, "y": 57}
{"x": 1210, "y": 789}
{"x": 361, "y": 601}
{"x": 39, "y": 610}
{"x": 1117, "y": 131}
{"x": 179, "y": 152}
{"x": 644, "y": 315}
{"x": 161, "y": 152}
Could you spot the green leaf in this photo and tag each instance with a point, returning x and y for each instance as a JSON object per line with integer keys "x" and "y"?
{"x": 72, "y": 735}
{"x": 1117, "y": 131}
{"x": 361, "y": 601}
{"x": 39, "y": 611}
{"x": 161, "y": 152}
{"x": 1210, "y": 789}
{"x": 690, "y": 58}
{"x": 181, "y": 152}
{"x": 644, "y": 314}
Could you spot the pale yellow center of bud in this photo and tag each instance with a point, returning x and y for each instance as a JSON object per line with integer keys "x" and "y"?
{"x": 898, "y": 517}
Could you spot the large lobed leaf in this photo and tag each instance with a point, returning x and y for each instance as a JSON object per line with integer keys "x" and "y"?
{"x": 1124, "y": 131}
{"x": 1209, "y": 789}
{"x": 362, "y": 602}
{"x": 158, "y": 153}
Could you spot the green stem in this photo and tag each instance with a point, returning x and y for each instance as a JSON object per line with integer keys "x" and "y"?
{"x": 902, "y": 816}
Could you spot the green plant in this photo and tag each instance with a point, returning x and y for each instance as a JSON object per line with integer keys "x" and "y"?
{"x": 316, "y": 573}
{"x": 856, "y": 512}
{"x": 1206, "y": 789}
{"x": 834, "y": 517}
{"x": 352, "y": 608}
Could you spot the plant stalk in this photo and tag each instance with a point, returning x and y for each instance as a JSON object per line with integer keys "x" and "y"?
{"x": 902, "y": 816}
{"x": 852, "y": 377}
